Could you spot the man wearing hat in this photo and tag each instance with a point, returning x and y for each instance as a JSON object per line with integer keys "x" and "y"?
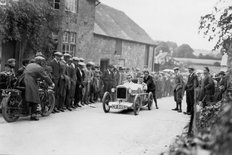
{"x": 178, "y": 89}
{"x": 32, "y": 73}
{"x": 108, "y": 78}
{"x": 207, "y": 88}
{"x": 81, "y": 59}
{"x": 12, "y": 63}
{"x": 78, "y": 102}
{"x": 71, "y": 73}
{"x": 88, "y": 79}
{"x": 192, "y": 83}
{"x": 56, "y": 75}
{"x": 148, "y": 79}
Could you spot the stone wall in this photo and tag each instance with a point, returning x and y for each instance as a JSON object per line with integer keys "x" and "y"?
{"x": 102, "y": 48}
{"x": 151, "y": 57}
{"x": 86, "y": 19}
{"x": 82, "y": 23}
{"x": 133, "y": 54}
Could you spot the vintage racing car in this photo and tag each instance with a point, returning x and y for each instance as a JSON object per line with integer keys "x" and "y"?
{"x": 127, "y": 96}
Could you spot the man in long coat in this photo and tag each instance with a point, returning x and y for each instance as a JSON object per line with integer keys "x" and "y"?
{"x": 178, "y": 90}
{"x": 207, "y": 88}
{"x": 192, "y": 83}
{"x": 32, "y": 73}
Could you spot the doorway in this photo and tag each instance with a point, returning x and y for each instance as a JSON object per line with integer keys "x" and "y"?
{"x": 104, "y": 63}
{"x": 8, "y": 51}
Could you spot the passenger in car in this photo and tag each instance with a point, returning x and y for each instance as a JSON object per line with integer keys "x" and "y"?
{"x": 140, "y": 81}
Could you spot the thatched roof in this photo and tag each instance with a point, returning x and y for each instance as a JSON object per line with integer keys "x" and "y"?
{"x": 114, "y": 23}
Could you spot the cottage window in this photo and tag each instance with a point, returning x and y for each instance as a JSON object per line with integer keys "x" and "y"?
{"x": 65, "y": 37}
{"x": 71, "y": 5}
{"x": 69, "y": 42}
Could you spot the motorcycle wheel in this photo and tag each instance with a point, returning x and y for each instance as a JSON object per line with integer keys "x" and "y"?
{"x": 7, "y": 110}
{"x": 49, "y": 105}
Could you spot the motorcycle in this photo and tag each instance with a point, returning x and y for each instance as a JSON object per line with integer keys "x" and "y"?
{"x": 14, "y": 105}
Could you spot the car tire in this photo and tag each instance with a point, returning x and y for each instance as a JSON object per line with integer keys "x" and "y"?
{"x": 105, "y": 102}
{"x": 137, "y": 105}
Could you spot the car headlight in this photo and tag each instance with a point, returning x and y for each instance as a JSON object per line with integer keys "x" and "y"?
{"x": 113, "y": 90}
{"x": 130, "y": 91}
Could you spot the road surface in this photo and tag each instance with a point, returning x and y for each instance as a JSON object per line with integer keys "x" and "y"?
{"x": 89, "y": 131}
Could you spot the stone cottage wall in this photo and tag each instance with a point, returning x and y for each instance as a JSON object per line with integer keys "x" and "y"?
{"x": 133, "y": 54}
{"x": 86, "y": 19}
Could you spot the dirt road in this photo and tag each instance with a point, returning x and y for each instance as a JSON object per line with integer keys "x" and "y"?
{"x": 89, "y": 131}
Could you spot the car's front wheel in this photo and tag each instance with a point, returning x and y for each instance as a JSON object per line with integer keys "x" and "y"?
{"x": 137, "y": 105}
{"x": 105, "y": 102}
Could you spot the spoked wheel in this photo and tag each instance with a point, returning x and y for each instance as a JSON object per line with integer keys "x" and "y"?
{"x": 9, "y": 108}
{"x": 105, "y": 102}
{"x": 48, "y": 104}
{"x": 150, "y": 101}
{"x": 137, "y": 105}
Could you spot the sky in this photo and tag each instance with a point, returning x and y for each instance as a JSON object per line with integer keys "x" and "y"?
{"x": 169, "y": 20}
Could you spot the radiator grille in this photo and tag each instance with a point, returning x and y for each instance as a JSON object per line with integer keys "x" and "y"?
{"x": 121, "y": 93}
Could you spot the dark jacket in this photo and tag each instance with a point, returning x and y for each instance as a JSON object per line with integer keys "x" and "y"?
{"x": 150, "y": 83}
{"x": 207, "y": 88}
{"x": 108, "y": 79}
{"x": 32, "y": 73}
{"x": 80, "y": 78}
{"x": 56, "y": 70}
{"x": 192, "y": 82}
{"x": 20, "y": 71}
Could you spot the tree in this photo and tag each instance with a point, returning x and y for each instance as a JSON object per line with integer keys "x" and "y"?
{"x": 184, "y": 51}
{"x": 217, "y": 26}
{"x": 163, "y": 46}
{"x": 31, "y": 24}
{"x": 171, "y": 45}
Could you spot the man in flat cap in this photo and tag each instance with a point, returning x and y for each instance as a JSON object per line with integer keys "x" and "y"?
{"x": 207, "y": 88}
{"x": 178, "y": 89}
{"x": 78, "y": 102}
{"x": 71, "y": 73}
{"x": 12, "y": 64}
{"x": 56, "y": 75}
{"x": 81, "y": 59}
{"x": 32, "y": 73}
{"x": 192, "y": 83}
{"x": 108, "y": 78}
